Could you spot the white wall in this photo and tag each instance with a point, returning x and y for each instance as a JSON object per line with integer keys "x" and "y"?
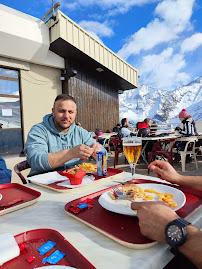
{"x": 40, "y": 85}
{"x": 26, "y": 38}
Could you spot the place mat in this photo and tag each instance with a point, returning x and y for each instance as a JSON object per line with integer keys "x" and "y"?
{"x": 34, "y": 239}
{"x": 16, "y": 196}
{"x": 55, "y": 187}
{"x": 125, "y": 229}
{"x": 47, "y": 178}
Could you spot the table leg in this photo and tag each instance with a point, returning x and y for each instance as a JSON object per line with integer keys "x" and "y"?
{"x": 142, "y": 152}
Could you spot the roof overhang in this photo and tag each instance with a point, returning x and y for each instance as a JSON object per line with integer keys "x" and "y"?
{"x": 68, "y": 51}
{"x": 72, "y": 42}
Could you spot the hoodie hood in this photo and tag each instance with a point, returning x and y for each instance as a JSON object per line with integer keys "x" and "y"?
{"x": 48, "y": 121}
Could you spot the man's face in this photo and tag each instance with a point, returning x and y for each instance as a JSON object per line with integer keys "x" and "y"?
{"x": 149, "y": 123}
{"x": 64, "y": 113}
{"x": 127, "y": 122}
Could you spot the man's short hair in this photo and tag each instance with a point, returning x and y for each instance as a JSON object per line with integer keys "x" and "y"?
{"x": 64, "y": 97}
{"x": 123, "y": 121}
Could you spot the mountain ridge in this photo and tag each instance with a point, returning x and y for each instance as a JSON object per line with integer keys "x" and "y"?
{"x": 161, "y": 105}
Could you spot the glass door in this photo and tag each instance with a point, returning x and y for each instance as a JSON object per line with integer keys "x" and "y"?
{"x": 10, "y": 112}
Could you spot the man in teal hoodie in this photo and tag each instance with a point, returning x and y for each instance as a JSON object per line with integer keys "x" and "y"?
{"x": 57, "y": 143}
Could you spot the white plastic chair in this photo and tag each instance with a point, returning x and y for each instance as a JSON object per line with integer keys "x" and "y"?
{"x": 183, "y": 153}
{"x": 106, "y": 143}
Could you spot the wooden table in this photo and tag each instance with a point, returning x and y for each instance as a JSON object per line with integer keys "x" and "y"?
{"x": 107, "y": 135}
{"x": 100, "y": 250}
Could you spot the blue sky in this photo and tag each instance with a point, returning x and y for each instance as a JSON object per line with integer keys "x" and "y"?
{"x": 160, "y": 38}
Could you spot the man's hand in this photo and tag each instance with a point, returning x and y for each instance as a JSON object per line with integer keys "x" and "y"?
{"x": 178, "y": 129}
{"x": 81, "y": 151}
{"x": 165, "y": 171}
{"x": 153, "y": 218}
{"x": 96, "y": 147}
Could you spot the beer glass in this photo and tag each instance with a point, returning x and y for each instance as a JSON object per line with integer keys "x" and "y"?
{"x": 132, "y": 148}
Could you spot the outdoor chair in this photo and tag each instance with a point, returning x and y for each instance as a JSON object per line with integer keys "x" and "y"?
{"x": 118, "y": 148}
{"x": 106, "y": 144}
{"x": 187, "y": 151}
{"x": 20, "y": 167}
{"x": 162, "y": 148}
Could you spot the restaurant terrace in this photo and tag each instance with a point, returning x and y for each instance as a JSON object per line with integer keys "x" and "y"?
{"x": 74, "y": 217}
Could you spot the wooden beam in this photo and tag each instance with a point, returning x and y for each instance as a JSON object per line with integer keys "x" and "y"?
{"x": 7, "y": 78}
{"x": 9, "y": 95}
{"x": 50, "y": 11}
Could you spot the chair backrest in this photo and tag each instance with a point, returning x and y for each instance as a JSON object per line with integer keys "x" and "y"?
{"x": 96, "y": 138}
{"x": 20, "y": 167}
{"x": 189, "y": 141}
{"x": 117, "y": 143}
{"x": 158, "y": 145}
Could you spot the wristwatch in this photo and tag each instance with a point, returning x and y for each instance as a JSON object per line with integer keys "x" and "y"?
{"x": 176, "y": 233}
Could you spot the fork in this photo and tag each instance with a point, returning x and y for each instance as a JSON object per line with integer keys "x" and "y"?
{"x": 119, "y": 194}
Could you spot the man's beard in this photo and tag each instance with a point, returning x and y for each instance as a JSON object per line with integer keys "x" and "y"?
{"x": 62, "y": 127}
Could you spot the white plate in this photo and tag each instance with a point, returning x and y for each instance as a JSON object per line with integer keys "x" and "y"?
{"x": 123, "y": 206}
{"x": 0, "y": 196}
{"x": 55, "y": 267}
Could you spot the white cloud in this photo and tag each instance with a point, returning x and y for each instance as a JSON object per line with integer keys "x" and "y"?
{"x": 15, "y": 93}
{"x": 67, "y": 5}
{"x": 174, "y": 18}
{"x": 97, "y": 29}
{"x": 191, "y": 43}
{"x": 147, "y": 38}
{"x": 163, "y": 70}
{"x": 71, "y": 6}
{"x": 108, "y": 4}
{"x": 175, "y": 13}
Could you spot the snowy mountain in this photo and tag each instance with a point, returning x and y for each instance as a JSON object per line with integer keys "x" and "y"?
{"x": 161, "y": 105}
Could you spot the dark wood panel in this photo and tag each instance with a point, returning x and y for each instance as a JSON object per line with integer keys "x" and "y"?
{"x": 68, "y": 51}
{"x": 97, "y": 100}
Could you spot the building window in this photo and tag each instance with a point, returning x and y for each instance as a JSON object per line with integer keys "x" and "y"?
{"x": 9, "y": 99}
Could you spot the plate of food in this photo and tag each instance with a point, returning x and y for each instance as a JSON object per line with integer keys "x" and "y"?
{"x": 139, "y": 193}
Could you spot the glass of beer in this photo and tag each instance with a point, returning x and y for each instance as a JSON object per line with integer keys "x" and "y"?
{"x": 132, "y": 148}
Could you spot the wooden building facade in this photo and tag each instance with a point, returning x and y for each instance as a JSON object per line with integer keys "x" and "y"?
{"x": 97, "y": 100}
{"x": 93, "y": 75}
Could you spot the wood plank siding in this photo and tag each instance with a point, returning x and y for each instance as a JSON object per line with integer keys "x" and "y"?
{"x": 97, "y": 100}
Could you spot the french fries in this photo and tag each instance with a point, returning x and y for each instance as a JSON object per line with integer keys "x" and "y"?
{"x": 167, "y": 198}
{"x": 88, "y": 167}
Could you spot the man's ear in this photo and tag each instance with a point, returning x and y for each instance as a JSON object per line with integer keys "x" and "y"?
{"x": 53, "y": 111}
